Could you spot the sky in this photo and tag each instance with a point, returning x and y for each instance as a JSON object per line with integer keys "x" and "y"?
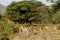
{"x": 7, "y": 2}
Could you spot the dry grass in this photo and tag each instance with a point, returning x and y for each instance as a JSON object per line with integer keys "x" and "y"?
{"x": 44, "y": 35}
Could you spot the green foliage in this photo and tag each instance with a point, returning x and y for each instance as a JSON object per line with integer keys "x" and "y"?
{"x": 5, "y": 30}
{"x": 44, "y": 14}
{"x": 57, "y": 17}
{"x": 23, "y": 12}
{"x": 4, "y": 27}
{"x": 31, "y": 12}
{"x": 56, "y": 7}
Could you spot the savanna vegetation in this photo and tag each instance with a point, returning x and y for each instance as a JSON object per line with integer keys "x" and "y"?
{"x": 30, "y": 19}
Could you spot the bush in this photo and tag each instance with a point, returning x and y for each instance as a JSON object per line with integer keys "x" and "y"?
{"x": 5, "y": 30}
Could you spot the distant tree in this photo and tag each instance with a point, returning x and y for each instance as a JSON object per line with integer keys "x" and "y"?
{"x": 55, "y": 7}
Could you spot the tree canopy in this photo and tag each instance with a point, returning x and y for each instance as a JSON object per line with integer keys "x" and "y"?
{"x": 31, "y": 12}
{"x": 24, "y": 11}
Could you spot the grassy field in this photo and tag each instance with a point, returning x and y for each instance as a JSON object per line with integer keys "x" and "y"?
{"x": 44, "y": 35}
{"x": 34, "y": 34}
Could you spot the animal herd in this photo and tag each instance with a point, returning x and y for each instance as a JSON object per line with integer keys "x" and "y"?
{"x": 30, "y": 28}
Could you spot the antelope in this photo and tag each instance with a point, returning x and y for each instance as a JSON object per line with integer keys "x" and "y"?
{"x": 8, "y": 21}
{"x": 52, "y": 27}
{"x": 25, "y": 30}
{"x": 38, "y": 28}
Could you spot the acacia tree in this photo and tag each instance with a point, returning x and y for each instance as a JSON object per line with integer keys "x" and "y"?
{"x": 23, "y": 12}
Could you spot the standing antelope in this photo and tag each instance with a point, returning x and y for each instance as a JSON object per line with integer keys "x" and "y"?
{"x": 25, "y": 30}
{"x": 52, "y": 27}
{"x": 38, "y": 28}
{"x": 8, "y": 21}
